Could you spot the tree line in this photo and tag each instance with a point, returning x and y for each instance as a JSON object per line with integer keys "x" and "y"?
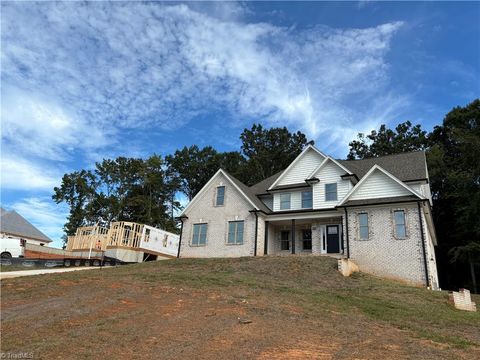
{"x": 144, "y": 190}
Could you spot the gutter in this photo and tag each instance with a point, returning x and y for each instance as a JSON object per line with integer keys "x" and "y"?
{"x": 256, "y": 232}
{"x": 181, "y": 218}
{"x": 424, "y": 250}
{"x": 346, "y": 233}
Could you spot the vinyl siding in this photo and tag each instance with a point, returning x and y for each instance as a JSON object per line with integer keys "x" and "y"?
{"x": 328, "y": 174}
{"x": 295, "y": 200}
{"x": 378, "y": 185}
{"x": 304, "y": 167}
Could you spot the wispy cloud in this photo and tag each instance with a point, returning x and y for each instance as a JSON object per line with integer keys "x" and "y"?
{"x": 82, "y": 81}
{"x": 130, "y": 65}
{"x": 19, "y": 173}
{"x": 36, "y": 126}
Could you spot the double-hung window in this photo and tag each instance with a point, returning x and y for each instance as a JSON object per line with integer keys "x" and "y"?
{"x": 285, "y": 201}
{"x": 199, "y": 234}
{"x": 363, "y": 226}
{"x": 306, "y": 199}
{"x": 400, "y": 228}
{"x": 220, "y": 200}
{"x": 235, "y": 232}
{"x": 284, "y": 240}
{"x": 331, "y": 192}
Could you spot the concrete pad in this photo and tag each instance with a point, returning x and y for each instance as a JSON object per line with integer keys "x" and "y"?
{"x": 14, "y": 274}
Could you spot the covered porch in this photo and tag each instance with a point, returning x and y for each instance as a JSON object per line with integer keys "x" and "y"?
{"x": 321, "y": 234}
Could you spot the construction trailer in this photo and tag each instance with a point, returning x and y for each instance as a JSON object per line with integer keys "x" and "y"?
{"x": 124, "y": 241}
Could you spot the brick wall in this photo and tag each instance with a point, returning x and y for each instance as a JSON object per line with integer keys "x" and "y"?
{"x": 383, "y": 254}
{"x": 236, "y": 208}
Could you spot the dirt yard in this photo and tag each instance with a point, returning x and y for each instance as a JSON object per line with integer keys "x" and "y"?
{"x": 252, "y": 308}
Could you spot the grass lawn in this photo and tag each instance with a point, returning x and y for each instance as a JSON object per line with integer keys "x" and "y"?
{"x": 266, "y": 308}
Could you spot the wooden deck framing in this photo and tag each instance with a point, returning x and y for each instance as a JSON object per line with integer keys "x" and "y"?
{"x": 126, "y": 235}
{"x": 89, "y": 237}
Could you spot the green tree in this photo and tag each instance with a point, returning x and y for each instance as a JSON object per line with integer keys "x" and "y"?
{"x": 269, "y": 150}
{"x": 123, "y": 189}
{"x": 78, "y": 191}
{"x": 385, "y": 141}
{"x": 453, "y": 150}
{"x": 194, "y": 167}
{"x": 454, "y": 167}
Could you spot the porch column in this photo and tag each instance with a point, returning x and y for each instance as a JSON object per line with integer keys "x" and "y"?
{"x": 293, "y": 236}
{"x": 265, "y": 245}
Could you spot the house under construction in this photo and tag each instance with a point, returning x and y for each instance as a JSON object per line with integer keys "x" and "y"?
{"x": 124, "y": 241}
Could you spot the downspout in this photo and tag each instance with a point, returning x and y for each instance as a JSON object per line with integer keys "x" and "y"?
{"x": 181, "y": 233}
{"x": 346, "y": 233}
{"x": 265, "y": 245}
{"x": 424, "y": 250}
{"x": 256, "y": 234}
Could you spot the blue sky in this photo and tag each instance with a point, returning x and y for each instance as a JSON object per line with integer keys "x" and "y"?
{"x": 86, "y": 81}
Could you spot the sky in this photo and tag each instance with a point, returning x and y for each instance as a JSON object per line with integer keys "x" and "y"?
{"x": 85, "y": 81}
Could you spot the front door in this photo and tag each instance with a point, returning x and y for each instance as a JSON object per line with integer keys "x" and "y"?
{"x": 333, "y": 239}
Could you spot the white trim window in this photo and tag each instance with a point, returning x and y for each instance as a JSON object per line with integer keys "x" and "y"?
{"x": 331, "y": 192}
{"x": 199, "y": 237}
{"x": 400, "y": 224}
{"x": 307, "y": 199}
{"x": 220, "y": 198}
{"x": 235, "y": 232}
{"x": 285, "y": 201}
{"x": 363, "y": 228}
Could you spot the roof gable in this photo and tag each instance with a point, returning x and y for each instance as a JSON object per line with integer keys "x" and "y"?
{"x": 301, "y": 167}
{"x": 327, "y": 160}
{"x": 379, "y": 183}
{"x": 237, "y": 184}
{"x": 13, "y": 223}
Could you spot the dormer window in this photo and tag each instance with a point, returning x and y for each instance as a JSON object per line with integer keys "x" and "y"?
{"x": 220, "y": 199}
{"x": 285, "y": 201}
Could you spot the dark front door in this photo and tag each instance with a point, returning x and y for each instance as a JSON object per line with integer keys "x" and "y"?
{"x": 333, "y": 239}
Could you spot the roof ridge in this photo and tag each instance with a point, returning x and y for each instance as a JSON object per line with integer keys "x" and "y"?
{"x": 388, "y": 155}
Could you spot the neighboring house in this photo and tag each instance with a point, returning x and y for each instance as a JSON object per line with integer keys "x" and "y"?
{"x": 377, "y": 212}
{"x": 15, "y": 226}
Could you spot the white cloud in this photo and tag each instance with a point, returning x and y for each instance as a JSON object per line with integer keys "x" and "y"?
{"x": 40, "y": 128}
{"x": 21, "y": 174}
{"x": 45, "y": 215}
{"x": 137, "y": 65}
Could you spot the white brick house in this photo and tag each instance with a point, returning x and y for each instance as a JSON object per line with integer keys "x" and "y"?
{"x": 377, "y": 212}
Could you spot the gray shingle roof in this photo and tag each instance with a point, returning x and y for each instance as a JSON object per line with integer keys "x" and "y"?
{"x": 13, "y": 223}
{"x": 249, "y": 193}
{"x": 262, "y": 186}
{"x": 406, "y": 166}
